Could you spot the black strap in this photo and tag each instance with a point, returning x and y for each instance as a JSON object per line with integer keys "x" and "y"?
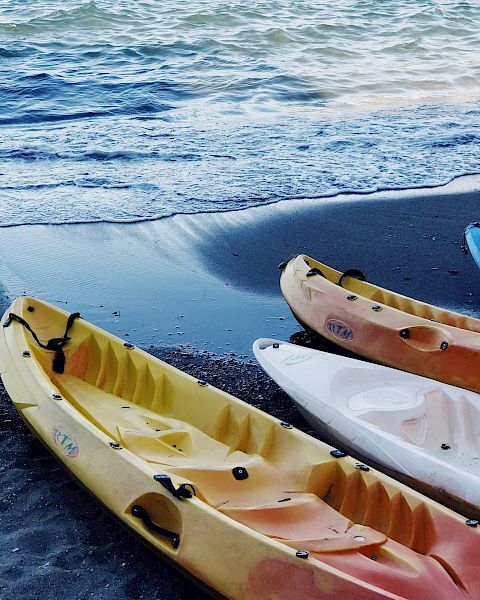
{"x": 356, "y": 273}
{"x": 181, "y": 492}
{"x": 58, "y": 363}
{"x": 315, "y": 271}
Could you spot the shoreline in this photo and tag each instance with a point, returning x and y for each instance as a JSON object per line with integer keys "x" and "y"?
{"x": 165, "y": 282}
{"x": 411, "y": 245}
{"x": 469, "y": 182}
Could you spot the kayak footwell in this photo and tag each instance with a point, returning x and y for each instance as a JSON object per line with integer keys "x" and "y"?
{"x": 266, "y": 501}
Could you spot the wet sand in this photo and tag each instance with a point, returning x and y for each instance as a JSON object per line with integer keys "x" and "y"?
{"x": 56, "y": 540}
{"x": 166, "y": 282}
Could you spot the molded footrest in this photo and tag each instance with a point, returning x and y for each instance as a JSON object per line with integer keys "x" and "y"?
{"x": 356, "y": 538}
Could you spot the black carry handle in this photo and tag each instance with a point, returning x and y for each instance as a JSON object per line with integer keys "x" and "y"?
{"x": 315, "y": 271}
{"x": 356, "y": 273}
{"x": 139, "y": 512}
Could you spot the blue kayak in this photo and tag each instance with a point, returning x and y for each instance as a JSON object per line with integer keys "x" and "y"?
{"x": 471, "y": 241}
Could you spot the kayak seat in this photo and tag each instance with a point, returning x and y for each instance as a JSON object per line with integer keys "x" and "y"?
{"x": 248, "y": 481}
{"x": 387, "y": 408}
{"x": 436, "y": 426}
{"x": 151, "y": 436}
{"x": 422, "y": 416}
{"x": 384, "y": 402}
{"x": 177, "y": 446}
{"x": 306, "y": 522}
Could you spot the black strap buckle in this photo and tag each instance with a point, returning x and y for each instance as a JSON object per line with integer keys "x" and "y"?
{"x": 8, "y": 320}
{"x": 185, "y": 490}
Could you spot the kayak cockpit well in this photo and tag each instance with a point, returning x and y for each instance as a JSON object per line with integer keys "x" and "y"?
{"x": 294, "y": 492}
{"x": 380, "y": 295}
{"x": 209, "y": 465}
{"x": 262, "y": 496}
{"x": 199, "y": 435}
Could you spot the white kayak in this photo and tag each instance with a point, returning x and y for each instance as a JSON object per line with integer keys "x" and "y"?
{"x": 422, "y": 429}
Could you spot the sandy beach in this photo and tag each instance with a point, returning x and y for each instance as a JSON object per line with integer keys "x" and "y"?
{"x": 56, "y": 539}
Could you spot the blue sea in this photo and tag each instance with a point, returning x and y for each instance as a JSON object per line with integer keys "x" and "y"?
{"x": 135, "y": 110}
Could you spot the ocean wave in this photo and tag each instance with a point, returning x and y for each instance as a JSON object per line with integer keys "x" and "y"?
{"x": 153, "y": 166}
{"x": 368, "y": 53}
{"x": 87, "y": 16}
{"x": 257, "y": 201}
{"x": 138, "y": 110}
{"x": 455, "y": 140}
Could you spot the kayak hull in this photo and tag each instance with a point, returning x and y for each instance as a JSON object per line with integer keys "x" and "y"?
{"x": 415, "y": 427}
{"x": 225, "y": 491}
{"x": 472, "y": 242}
{"x": 382, "y": 326}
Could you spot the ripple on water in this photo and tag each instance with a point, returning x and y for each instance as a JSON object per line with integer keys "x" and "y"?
{"x": 138, "y": 110}
{"x": 122, "y": 169}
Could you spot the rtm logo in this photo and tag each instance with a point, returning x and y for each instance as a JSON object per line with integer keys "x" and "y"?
{"x": 340, "y": 330}
{"x": 65, "y": 441}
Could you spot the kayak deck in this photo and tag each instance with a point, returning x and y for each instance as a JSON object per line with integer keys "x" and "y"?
{"x": 338, "y": 519}
{"x": 441, "y": 424}
{"x": 383, "y": 326}
{"x": 379, "y": 295}
{"x": 413, "y": 426}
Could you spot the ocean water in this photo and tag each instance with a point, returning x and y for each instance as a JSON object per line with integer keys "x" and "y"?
{"x": 134, "y": 110}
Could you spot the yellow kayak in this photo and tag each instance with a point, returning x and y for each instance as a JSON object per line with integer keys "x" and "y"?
{"x": 247, "y": 504}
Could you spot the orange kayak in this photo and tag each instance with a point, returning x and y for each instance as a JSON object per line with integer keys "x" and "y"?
{"x": 381, "y": 325}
